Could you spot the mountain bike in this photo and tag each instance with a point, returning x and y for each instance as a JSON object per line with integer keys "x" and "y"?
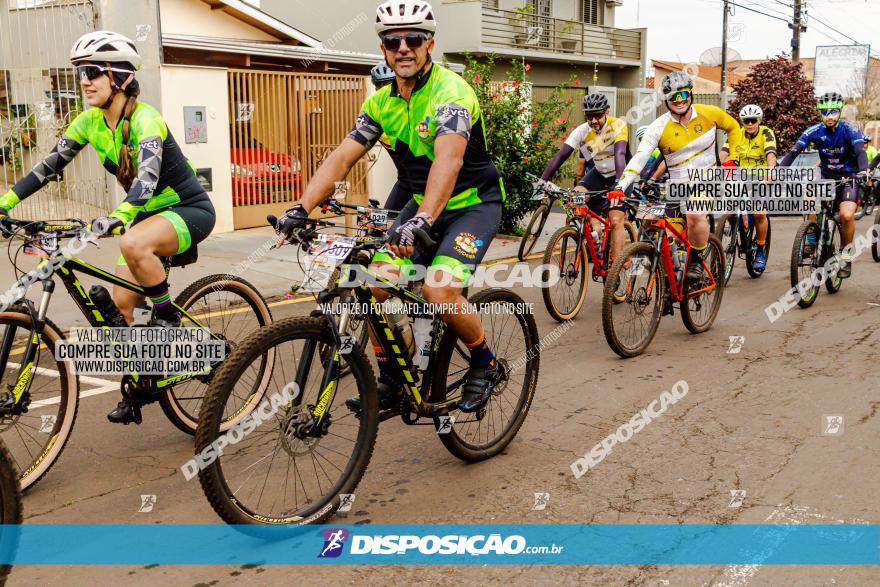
{"x": 40, "y": 395}
{"x": 737, "y": 235}
{"x": 298, "y": 463}
{"x": 806, "y": 259}
{"x": 535, "y": 227}
{"x": 648, "y": 279}
{"x": 571, "y": 248}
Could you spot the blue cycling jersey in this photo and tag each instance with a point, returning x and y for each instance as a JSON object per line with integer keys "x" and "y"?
{"x": 837, "y": 147}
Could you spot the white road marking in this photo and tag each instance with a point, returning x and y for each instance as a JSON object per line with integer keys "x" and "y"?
{"x": 105, "y": 386}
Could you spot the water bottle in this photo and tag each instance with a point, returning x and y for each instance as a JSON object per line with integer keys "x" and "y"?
{"x": 422, "y": 333}
{"x": 598, "y": 242}
{"x": 399, "y": 322}
{"x": 679, "y": 257}
{"x": 102, "y": 300}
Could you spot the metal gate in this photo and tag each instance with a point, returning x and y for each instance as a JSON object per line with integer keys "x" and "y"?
{"x": 39, "y": 97}
{"x": 282, "y": 127}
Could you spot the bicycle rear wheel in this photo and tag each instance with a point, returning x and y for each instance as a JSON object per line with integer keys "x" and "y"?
{"x": 699, "y": 310}
{"x": 565, "y": 298}
{"x": 803, "y": 264}
{"x": 36, "y": 438}
{"x": 728, "y": 233}
{"x": 232, "y": 308}
{"x": 513, "y": 336}
{"x": 533, "y": 232}
{"x": 630, "y": 323}
{"x": 279, "y": 472}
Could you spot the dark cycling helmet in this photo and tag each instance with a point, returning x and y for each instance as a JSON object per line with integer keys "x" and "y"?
{"x": 595, "y": 103}
{"x": 831, "y": 101}
{"x": 676, "y": 82}
{"x": 382, "y": 75}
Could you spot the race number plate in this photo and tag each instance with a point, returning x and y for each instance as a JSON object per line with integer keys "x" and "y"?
{"x": 578, "y": 200}
{"x": 647, "y": 212}
{"x": 42, "y": 246}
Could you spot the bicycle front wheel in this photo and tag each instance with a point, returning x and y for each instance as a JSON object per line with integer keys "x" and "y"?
{"x": 10, "y": 510}
{"x": 513, "y": 336}
{"x": 632, "y": 303}
{"x": 278, "y": 468}
{"x": 805, "y": 258}
{"x": 231, "y": 308}
{"x": 832, "y": 249}
{"x": 533, "y": 232}
{"x": 703, "y": 300}
{"x": 565, "y": 297}
{"x": 35, "y": 438}
{"x": 727, "y": 233}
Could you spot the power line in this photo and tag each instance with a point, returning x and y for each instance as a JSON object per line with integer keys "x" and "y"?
{"x": 785, "y": 20}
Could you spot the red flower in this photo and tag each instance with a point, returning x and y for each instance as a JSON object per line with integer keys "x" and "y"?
{"x": 477, "y": 78}
{"x": 535, "y": 122}
{"x": 539, "y": 145}
{"x": 525, "y": 159}
{"x": 503, "y": 84}
{"x": 577, "y": 82}
{"x": 569, "y": 99}
{"x": 528, "y": 67}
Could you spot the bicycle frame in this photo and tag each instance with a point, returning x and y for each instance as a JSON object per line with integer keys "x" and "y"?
{"x": 676, "y": 288}
{"x": 392, "y": 343}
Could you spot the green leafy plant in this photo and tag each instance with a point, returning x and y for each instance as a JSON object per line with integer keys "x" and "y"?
{"x": 787, "y": 97}
{"x": 522, "y": 135}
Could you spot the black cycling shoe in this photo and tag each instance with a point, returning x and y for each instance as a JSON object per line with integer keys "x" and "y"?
{"x": 167, "y": 322}
{"x": 478, "y": 385}
{"x": 389, "y": 397}
{"x": 125, "y": 413}
{"x": 695, "y": 271}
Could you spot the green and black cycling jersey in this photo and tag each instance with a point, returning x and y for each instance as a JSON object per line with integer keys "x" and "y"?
{"x": 164, "y": 176}
{"x": 441, "y": 103}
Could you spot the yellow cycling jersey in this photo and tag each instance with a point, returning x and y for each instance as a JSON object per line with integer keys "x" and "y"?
{"x": 753, "y": 151}
{"x": 688, "y": 144}
{"x": 599, "y": 146}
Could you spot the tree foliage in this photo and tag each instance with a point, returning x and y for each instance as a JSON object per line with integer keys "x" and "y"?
{"x": 521, "y": 134}
{"x": 787, "y": 97}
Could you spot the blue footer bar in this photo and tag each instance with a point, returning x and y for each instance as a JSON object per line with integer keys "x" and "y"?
{"x": 796, "y": 544}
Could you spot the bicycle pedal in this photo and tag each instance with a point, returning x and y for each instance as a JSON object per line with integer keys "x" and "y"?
{"x": 387, "y": 414}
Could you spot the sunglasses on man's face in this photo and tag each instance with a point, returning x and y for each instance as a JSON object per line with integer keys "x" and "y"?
{"x": 413, "y": 41}
{"x": 679, "y": 96}
{"x": 594, "y": 115}
{"x": 829, "y": 111}
{"x": 750, "y": 121}
{"x": 93, "y": 72}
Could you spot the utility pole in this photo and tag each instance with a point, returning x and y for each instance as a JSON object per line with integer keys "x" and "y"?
{"x": 797, "y": 28}
{"x": 724, "y": 58}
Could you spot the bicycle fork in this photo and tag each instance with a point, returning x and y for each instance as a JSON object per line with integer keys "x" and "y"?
{"x": 16, "y": 398}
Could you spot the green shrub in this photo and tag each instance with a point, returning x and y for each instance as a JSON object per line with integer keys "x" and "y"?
{"x": 521, "y": 135}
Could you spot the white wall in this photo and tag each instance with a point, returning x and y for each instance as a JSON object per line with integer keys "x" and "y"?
{"x": 193, "y": 17}
{"x": 203, "y": 86}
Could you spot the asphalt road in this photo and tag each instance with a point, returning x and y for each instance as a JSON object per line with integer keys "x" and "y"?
{"x": 752, "y": 422}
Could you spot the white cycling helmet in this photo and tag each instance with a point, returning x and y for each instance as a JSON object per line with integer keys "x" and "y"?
{"x": 640, "y": 132}
{"x": 751, "y": 111}
{"x": 101, "y": 46}
{"x": 405, "y": 14}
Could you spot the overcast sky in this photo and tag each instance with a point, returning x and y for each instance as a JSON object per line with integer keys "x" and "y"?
{"x": 680, "y": 30}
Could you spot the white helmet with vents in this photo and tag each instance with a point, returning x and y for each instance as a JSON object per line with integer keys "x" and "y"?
{"x": 105, "y": 46}
{"x": 405, "y": 14}
{"x": 751, "y": 111}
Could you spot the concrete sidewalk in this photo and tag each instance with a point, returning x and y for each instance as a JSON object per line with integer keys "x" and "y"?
{"x": 243, "y": 253}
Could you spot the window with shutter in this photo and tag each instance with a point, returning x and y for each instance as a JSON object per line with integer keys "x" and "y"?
{"x": 590, "y": 11}
{"x": 490, "y": 4}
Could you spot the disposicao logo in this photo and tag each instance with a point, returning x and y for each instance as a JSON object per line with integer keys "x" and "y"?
{"x": 334, "y": 540}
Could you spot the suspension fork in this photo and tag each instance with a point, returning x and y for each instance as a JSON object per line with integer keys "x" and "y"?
{"x": 32, "y": 348}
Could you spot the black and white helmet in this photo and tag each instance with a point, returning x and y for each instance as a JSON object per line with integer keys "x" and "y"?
{"x": 595, "y": 103}
{"x": 676, "y": 82}
{"x": 105, "y": 46}
{"x": 405, "y": 14}
{"x": 382, "y": 75}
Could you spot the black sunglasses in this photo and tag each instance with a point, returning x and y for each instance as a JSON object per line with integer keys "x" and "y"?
{"x": 93, "y": 72}
{"x": 413, "y": 41}
{"x": 750, "y": 121}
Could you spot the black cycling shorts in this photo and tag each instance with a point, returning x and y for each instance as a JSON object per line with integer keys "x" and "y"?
{"x": 192, "y": 222}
